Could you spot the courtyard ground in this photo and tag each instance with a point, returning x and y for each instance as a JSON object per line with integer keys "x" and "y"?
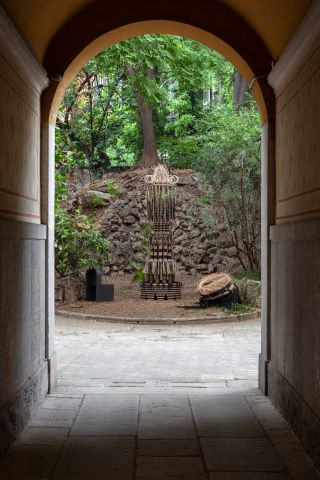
{"x": 127, "y": 302}
{"x": 96, "y": 357}
{"x": 148, "y": 402}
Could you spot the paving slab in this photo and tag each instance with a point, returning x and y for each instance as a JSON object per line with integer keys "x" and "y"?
{"x": 107, "y": 415}
{"x": 241, "y": 455}
{"x": 249, "y": 476}
{"x": 42, "y": 439}
{"x": 160, "y": 468}
{"x": 298, "y": 463}
{"x": 164, "y": 400}
{"x": 63, "y": 403}
{"x": 174, "y": 447}
{"x": 224, "y": 417}
{"x": 54, "y": 417}
{"x": 242, "y": 384}
{"x": 166, "y": 417}
{"x": 27, "y": 466}
{"x": 269, "y": 417}
{"x": 96, "y": 458}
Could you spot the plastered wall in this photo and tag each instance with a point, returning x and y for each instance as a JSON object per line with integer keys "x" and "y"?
{"x": 23, "y": 362}
{"x": 298, "y": 144}
{"x": 294, "y": 366}
{"x": 21, "y": 83}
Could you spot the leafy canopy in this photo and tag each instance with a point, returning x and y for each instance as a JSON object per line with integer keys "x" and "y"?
{"x": 98, "y": 123}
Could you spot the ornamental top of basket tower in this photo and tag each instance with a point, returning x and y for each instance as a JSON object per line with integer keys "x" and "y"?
{"x": 161, "y": 176}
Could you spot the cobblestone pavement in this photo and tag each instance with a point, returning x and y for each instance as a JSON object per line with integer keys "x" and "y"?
{"x": 182, "y": 415}
{"x": 103, "y": 357}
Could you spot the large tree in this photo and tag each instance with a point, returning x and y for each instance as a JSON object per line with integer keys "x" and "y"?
{"x": 138, "y": 90}
{"x": 154, "y": 63}
{"x": 149, "y": 156}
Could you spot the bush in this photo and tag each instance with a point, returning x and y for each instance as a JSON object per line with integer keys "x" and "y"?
{"x": 112, "y": 188}
{"x": 249, "y": 275}
{"x": 230, "y": 168}
{"x": 78, "y": 244}
{"x": 97, "y": 201}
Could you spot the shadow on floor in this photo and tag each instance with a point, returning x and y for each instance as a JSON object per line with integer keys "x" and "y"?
{"x": 157, "y": 437}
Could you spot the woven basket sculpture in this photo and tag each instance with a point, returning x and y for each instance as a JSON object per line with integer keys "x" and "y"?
{"x": 215, "y": 284}
{"x": 217, "y": 289}
{"x": 160, "y": 269}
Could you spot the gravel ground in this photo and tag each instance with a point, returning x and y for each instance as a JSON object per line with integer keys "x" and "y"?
{"x": 127, "y": 302}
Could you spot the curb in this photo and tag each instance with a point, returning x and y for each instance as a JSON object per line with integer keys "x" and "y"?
{"x": 161, "y": 321}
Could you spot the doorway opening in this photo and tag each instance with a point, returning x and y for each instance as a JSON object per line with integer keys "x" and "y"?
{"x": 150, "y": 28}
{"x": 149, "y": 100}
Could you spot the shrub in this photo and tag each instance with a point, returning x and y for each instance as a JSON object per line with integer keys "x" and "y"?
{"x": 112, "y": 188}
{"x": 249, "y": 275}
{"x": 78, "y": 244}
{"x": 97, "y": 201}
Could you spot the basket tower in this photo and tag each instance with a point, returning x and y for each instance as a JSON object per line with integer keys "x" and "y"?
{"x": 160, "y": 269}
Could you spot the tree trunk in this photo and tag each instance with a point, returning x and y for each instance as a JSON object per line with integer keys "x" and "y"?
{"x": 149, "y": 156}
{"x": 206, "y": 101}
{"x": 240, "y": 87}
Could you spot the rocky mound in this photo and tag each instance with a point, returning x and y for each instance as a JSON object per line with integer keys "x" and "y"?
{"x": 201, "y": 241}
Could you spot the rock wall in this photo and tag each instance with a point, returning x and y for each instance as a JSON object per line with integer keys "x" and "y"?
{"x": 69, "y": 289}
{"x": 200, "y": 243}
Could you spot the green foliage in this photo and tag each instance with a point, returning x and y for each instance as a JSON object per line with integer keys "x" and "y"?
{"x": 78, "y": 244}
{"x": 98, "y": 125}
{"x": 61, "y": 189}
{"x": 206, "y": 200}
{"x": 97, "y": 201}
{"x": 112, "y": 188}
{"x": 249, "y": 275}
{"x": 138, "y": 271}
{"x": 138, "y": 266}
{"x": 230, "y": 167}
{"x": 239, "y": 308}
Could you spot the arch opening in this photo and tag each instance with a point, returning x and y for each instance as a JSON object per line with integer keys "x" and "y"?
{"x": 54, "y": 94}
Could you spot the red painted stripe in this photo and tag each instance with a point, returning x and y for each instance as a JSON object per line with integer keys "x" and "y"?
{"x": 306, "y": 192}
{"x": 33, "y": 199}
{"x": 31, "y": 90}
{"x": 306, "y": 212}
{"x": 19, "y": 95}
{"x": 21, "y": 214}
{"x": 295, "y": 77}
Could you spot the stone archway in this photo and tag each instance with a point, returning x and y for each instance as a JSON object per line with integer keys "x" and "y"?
{"x": 262, "y": 33}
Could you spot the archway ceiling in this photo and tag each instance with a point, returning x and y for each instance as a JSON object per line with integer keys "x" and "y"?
{"x": 274, "y": 21}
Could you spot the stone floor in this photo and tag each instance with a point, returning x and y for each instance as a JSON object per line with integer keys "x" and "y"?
{"x": 188, "y": 414}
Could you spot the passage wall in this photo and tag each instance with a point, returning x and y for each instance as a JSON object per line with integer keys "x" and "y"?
{"x": 294, "y": 370}
{"x": 24, "y": 378}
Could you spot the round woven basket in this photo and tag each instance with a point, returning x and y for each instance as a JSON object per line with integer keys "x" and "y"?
{"x": 214, "y": 284}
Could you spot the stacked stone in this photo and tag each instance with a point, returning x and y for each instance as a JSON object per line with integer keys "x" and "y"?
{"x": 160, "y": 269}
